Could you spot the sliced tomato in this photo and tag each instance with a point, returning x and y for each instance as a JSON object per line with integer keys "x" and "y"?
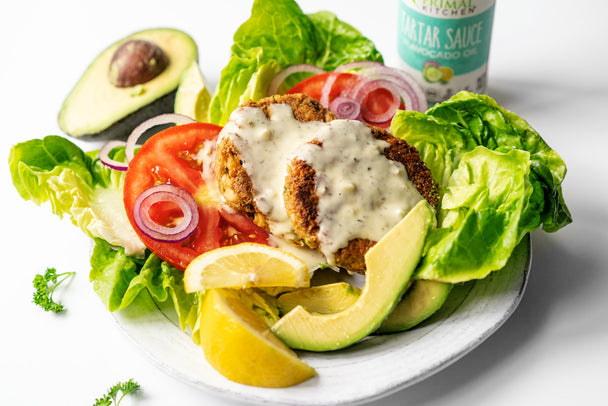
{"x": 376, "y": 102}
{"x": 313, "y": 86}
{"x": 170, "y": 156}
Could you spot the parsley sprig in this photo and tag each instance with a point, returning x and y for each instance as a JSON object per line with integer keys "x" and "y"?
{"x": 122, "y": 388}
{"x": 45, "y": 284}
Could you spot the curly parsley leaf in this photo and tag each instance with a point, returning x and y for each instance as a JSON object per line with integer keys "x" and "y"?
{"x": 44, "y": 285}
{"x": 122, "y": 388}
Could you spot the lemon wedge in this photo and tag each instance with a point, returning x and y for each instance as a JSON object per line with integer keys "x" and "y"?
{"x": 240, "y": 346}
{"x": 246, "y": 265}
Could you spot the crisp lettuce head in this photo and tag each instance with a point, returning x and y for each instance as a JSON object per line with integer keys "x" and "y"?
{"x": 499, "y": 180}
{"x": 480, "y": 216}
{"x": 481, "y": 119}
{"x": 77, "y": 185}
{"x": 119, "y": 278}
{"x": 277, "y": 35}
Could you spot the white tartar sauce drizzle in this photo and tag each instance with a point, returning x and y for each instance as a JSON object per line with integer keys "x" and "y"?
{"x": 361, "y": 193}
{"x": 206, "y": 156}
{"x": 264, "y": 146}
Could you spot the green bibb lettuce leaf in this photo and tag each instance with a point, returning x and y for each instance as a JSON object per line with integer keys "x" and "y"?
{"x": 118, "y": 279}
{"x": 499, "y": 180}
{"x": 77, "y": 185}
{"x": 480, "y": 216}
{"x": 277, "y": 35}
{"x": 483, "y": 120}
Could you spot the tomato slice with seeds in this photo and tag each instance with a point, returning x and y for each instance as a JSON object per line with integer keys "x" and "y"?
{"x": 376, "y": 102}
{"x": 171, "y": 156}
{"x": 313, "y": 86}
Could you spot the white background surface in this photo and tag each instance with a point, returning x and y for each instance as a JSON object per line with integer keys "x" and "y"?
{"x": 548, "y": 64}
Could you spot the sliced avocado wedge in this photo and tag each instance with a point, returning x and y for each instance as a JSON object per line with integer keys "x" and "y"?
{"x": 390, "y": 264}
{"x": 101, "y": 105}
{"x": 324, "y": 299}
{"x": 192, "y": 98}
{"x": 419, "y": 302}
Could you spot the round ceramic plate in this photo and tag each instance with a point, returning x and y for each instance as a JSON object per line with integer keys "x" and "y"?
{"x": 373, "y": 368}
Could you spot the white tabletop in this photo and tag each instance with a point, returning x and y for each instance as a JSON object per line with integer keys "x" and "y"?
{"x": 548, "y": 64}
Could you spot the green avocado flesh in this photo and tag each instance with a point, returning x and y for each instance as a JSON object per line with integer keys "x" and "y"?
{"x": 325, "y": 299}
{"x": 95, "y": 108}
{"x": 192, "y": 97}
{"x": 390, "y": 265}
{"x": 419, "y": 302}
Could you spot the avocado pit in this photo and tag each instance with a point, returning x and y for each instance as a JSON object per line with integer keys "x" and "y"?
{"x": 136, "y": 62}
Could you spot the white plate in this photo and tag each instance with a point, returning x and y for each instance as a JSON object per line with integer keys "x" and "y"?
{"x": 373, "y": 368}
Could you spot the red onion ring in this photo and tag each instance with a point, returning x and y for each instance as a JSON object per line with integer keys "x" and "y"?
{"x": 326, "y": 89}
{"x": 404, "y": 88}
{"x": 358, "y": 65}
{"x": 345, "y": 108}
{"x": 280, "y": 77}
{"x": 104, "y": 156}
{"x": 166, "y": 193}
{"x": 363, "y": 91}
{"x": 169, "y": 118}
{"x": 404, "y": 82}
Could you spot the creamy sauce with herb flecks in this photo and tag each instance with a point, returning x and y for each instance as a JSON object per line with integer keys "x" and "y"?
{"x": 362, "y": 194}
{"x": 264, "y": 145}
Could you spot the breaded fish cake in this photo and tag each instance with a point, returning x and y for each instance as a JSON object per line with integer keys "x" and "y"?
{"x": 257, "y": 175}
{"x": 234, "y": 181}
{"x": 306, "y": 188}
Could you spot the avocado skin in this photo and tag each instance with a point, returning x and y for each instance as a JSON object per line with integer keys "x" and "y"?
{"x": 97, "y": 110}
{"x": 121, "y": 129}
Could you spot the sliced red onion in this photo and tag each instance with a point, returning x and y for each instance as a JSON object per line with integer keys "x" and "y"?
{"x": 104, "y": 156}
{"x": 345, "y": 108}
{"x": 326, "y": 89}
{"x": 280, "y": 77}
{"x": 163, "y": 119}
{"x": 404, "y": 81}
{"x": 358, "y": 65}
{"x": 166, "y": 193}
{"x": 363, "y": 91}
{"x": 402, "y": 86}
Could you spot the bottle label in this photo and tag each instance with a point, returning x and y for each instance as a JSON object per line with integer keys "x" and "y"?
{"x": 445, "y": 44}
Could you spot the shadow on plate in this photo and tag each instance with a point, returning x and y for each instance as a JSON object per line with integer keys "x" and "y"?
{"x": 552, "y": 278}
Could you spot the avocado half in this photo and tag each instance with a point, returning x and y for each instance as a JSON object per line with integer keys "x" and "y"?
{"x": 98, "y": 109}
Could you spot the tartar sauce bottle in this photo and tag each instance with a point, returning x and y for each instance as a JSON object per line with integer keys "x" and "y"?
{"x": 445, "y": 44}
